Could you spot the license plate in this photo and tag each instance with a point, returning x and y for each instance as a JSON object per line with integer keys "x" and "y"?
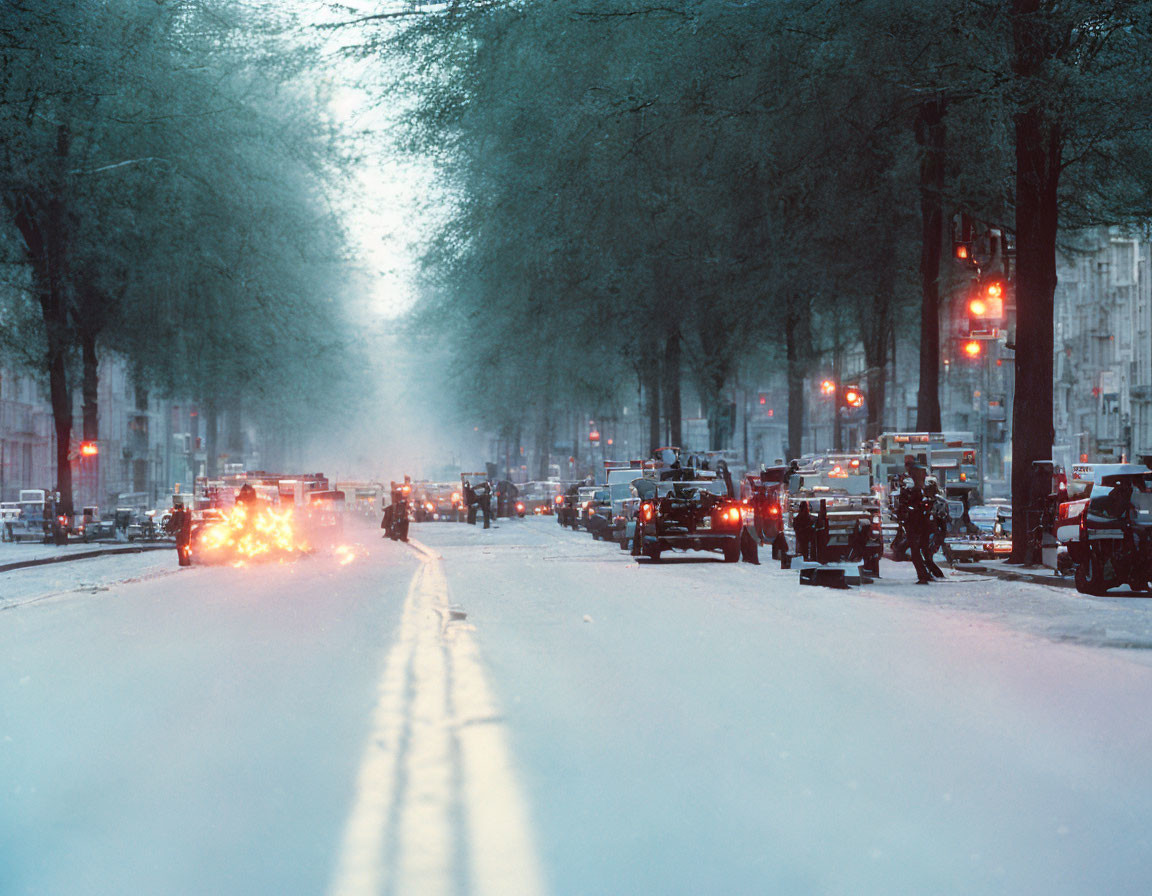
{"x": 705, "y": 523}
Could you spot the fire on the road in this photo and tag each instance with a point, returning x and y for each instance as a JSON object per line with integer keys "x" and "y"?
{"x": 249, "y": 533}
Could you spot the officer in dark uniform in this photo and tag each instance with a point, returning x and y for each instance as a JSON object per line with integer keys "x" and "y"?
{"x": 470, "y": 502}
{"x": 484, "y": 499}
{"x": 802, "y": 526}
{"x": 247, "y": 497}
{"x": 916, "y": 515}
{"x": 180, "y": 525}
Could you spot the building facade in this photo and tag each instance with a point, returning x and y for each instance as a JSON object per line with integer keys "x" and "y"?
{"x": 146, "y": 445}
{"x": 1103, "y": 342}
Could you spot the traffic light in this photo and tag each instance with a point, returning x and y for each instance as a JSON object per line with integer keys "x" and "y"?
{"x": 986, "y": 309}
{"x": 89, "y": 449}
{"x": 853, "y": 397}
{"x": 973, "y": 348}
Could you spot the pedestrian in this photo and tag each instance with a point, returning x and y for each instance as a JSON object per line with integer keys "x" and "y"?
{"x": 485, "y": 496}
{"x": 181, "y": 526}
{"x": 941, "y": 517}
{"x": 914, "y": 510}
{"x": 802, "y": 526}
{"x": 470, "y": 501}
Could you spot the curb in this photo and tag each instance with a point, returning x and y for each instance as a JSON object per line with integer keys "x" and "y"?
{"x": 1011, "y": 575}
{"x": 83, "y": 555}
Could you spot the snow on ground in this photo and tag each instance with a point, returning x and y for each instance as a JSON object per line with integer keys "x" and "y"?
{"x": 89, "y": 576}
{"x": 693, "y": 727}
{"x": 677, "y": 728}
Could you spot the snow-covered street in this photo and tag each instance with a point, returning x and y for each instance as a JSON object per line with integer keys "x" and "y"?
{"x": 526, "y": 710}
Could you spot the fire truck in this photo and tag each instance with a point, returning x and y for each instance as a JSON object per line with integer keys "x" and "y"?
{"x": 951, "y": 457}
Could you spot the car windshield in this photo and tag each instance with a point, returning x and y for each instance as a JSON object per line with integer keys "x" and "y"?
{"x": 715, "y": 486}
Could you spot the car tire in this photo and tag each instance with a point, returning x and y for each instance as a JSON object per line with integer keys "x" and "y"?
{"x": 732, "y": 551}
{"x": 652, "y": 554}
{"x": 1090, "y": 576}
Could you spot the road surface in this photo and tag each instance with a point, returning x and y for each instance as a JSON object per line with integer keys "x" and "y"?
{"x": 524, "y": 710}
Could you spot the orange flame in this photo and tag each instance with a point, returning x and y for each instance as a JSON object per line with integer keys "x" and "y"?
{"x": 247, "y": 533}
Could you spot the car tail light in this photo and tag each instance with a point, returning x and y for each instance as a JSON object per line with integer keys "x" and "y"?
{"x": 732, "y": 514}
{"x": 559, "y": 499}
{"x": 519, "y": 507}
{"x": 774, "y": 510}
{"x": 646, "y": 511}
{"x": 429, "y": 506}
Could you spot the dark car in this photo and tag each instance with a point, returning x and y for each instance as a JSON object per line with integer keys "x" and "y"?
{"x": 693, "y": 514}
{"x": 1115, "y": 541}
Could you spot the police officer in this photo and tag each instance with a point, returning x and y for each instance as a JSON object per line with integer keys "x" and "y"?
{"x": 940, "y": 522}
{"x": 916, "y": 518}
{"x": 180, "y": 525}
{"x": 802, "y": 526}
{"x": 484, "y": 497}
{"x": 470, "y": 502}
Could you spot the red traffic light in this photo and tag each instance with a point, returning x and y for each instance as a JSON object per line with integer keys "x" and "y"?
{"x": 853, "y": 397}
{"x": 828, "y": 387}
{"x": 89, "y": 449}
{"x": 594, "y": 436}
{"x": 973, "y": 348}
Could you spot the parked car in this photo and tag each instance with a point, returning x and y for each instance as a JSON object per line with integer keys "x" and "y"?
{"x": 696, "y": 514}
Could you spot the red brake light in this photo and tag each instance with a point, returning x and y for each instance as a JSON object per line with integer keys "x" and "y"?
{"x": 559, "y": 499}
{"x": 647, "y": 511}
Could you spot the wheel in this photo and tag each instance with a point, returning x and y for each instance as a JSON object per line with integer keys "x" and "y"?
{"x": 652, "y": 554}
{"x": 1090, "y": 575}
{"x": 732, "y": 551}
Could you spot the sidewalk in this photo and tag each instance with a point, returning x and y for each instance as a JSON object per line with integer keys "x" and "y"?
{"x": 19, "y": 556}
{"x": 1037, "y": 575}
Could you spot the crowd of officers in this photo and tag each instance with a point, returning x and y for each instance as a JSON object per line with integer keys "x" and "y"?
{"x": 477, "y": 499}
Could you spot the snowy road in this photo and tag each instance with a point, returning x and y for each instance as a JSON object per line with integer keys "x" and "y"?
{"x": 525, "y": 710}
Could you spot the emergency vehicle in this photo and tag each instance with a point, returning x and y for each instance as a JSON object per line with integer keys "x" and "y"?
{"x": 843, "y": 505}
{"x": 951, "y": 457}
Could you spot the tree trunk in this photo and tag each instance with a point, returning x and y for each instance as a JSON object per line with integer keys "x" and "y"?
{"x": 211, "y": 467}
{"x": 41, "y": 229}
{"x": 90, "y": 386}
{"x": 876, "y": 335}
{"x": 543, "y": 442}
{"x": 930, "y": 135}
{"x": 1038, "y": 152}
{"x": 838, "y": 379}
{"x": 651, "y": 381}
{"x": 672, "y": 388}
{"x": 1038, "y": 157}
{"x": 794, "y": 343}
{"x": 877, "y": 393}
{"x": 61, "y": 397}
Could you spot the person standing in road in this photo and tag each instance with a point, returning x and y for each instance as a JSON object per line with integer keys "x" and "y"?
{"x": 802, "y": 526}
{"x": 470, "y": 501}
{"x": 181, "y": 526}
{"x": 914, "y": 511}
